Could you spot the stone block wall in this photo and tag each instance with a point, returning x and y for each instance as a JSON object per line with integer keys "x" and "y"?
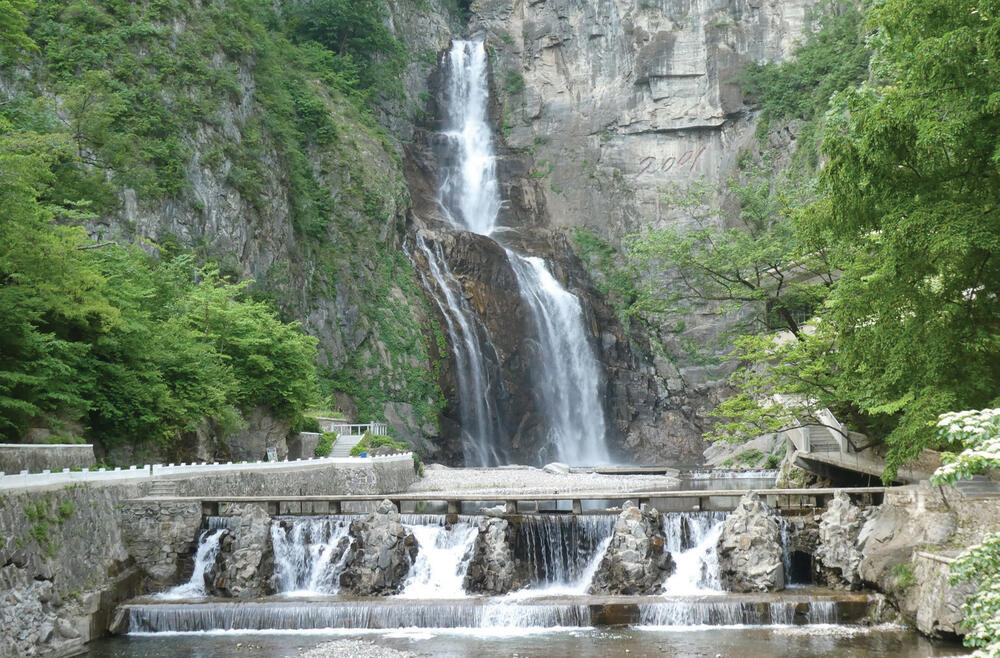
{"x": 36, "y": 457}
{"x": 71, "y": 551}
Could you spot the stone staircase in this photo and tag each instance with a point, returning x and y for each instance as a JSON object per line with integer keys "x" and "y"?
{"x": 342, "y": 446}
{"x": 162, "y": 489}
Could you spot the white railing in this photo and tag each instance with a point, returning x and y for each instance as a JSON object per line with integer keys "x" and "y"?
{"x": 344, "y": 429}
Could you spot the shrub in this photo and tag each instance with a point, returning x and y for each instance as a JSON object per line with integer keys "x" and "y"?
{"x": 326, "y": 441}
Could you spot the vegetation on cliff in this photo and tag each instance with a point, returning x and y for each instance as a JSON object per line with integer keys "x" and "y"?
{"x": 138, "y": 348}
{"x": 894, "y": 256}
{"x": 105, "y": 101}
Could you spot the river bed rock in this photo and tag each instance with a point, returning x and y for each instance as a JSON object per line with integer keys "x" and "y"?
{"x": 493, "y": 568}
{"x": 749, "y": 548}
{"x": 635, "y": 561}
{"x": 381, "y": 554}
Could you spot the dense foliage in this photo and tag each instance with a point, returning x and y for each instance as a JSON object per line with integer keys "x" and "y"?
{"x": 108, "y": 98}
{"x": 135, "y": 347}
{"x": 904, "y": 226}
{"x": 978, "y": 432}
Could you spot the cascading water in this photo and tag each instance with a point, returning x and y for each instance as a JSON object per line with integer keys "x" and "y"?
{"x": 208, "y": 549}
{"x": 483, "y": 439}
{"x": 566, "y": 386}
{"x": 469, "y": 191}
{"x": 566, "y": 373}
{"x": 563, "y": 552}
{"x": 691, "y": 538}
{"x": 442, "y": 560}
{"x": 309, "y": 554}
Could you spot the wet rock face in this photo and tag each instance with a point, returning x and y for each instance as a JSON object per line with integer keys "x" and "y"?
{"x": 245, "y": 561}
{"x": 635, "y": 562}
{"x": 749, "y": 549}
{"x": 837, "y": 555}
{"x": 381, "y": 554}
{"x": 493, "y": 568}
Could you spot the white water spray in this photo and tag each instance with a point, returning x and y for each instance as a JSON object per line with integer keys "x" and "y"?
{"x": 208, "y": 549}
{"x": 442, "y": 560}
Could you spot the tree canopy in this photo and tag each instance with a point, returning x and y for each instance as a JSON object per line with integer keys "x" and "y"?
{"x": 904, "y": 220}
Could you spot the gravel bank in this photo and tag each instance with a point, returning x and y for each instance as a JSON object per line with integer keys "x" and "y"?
{"x": 503, "y": 480}
{"x": 353, "y": 649}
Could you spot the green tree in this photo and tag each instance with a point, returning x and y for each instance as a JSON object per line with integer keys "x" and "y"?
{"x": 50, "y": 292}
{"x": 752, "y": 262}
{"x": 356, "y": 31}
{"x": 13, "y": 41}
{"x": 910, "y": 199}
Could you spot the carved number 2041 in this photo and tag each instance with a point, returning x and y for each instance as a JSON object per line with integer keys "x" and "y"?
{"x": 688, "y": 159}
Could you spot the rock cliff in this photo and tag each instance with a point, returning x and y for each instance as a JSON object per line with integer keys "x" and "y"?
{"x": 599, "y": 108}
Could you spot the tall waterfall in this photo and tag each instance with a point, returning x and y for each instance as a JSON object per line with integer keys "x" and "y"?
{"x": 566, "y": 387}
{"x": 469, "y": 191}
{"x": 566, "y": 373}
{"x": 483, "y": 440}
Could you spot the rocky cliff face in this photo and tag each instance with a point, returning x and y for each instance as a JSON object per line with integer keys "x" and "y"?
{"x": 600, "y": 108}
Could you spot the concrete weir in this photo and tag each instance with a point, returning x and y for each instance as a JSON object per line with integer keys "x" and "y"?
{"x": 806, "y": 607}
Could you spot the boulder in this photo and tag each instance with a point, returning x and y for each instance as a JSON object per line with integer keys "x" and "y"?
{"x": 244, "y": 563}
{"x": 837, "y": 554}
{"x": 381, "y": 554}
{"x": 493, "y": 568}
{"x": 749, "y": 548}
{"x": 635, "y": 561}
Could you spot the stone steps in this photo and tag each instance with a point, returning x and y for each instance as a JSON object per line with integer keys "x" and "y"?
{"x": 163, "y": 489}
{"x": 342, "y": 446}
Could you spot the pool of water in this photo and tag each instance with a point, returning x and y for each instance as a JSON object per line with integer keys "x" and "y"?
{"x": 728, "y": 642}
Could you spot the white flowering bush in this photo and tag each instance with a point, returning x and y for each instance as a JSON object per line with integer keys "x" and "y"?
{"x": 979, "y": 433}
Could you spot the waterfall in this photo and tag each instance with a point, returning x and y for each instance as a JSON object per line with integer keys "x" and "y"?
{"x": 692, "y": 539}
{"x": 567, "y": 385}
{"x": 309, "y": 554}
{"x": 566, "y": 373}
{"x": 482, "y": 613}
{"x": 469, "y": 192}
{"x": 390, "y": 613}
{"x": 563, "y": 552}
{"x": 442, "y": 559}
{"x": 208, "y": 549}
{"x": 482, "y": 436}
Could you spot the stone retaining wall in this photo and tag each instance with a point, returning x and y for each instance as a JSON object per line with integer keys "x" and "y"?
{"x": 71, "y": 551}
{"x": 36, "y": 457}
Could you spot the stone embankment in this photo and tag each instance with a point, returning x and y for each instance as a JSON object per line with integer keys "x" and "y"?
{"x": 907, "y": 546}
{"x": 70, "y": 551}
{"x": 636, "y": 561}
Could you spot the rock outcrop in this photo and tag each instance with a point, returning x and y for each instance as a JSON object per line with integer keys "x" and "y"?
{"x": 837, "y": 555}
{"x": 635, "y": 561}
{"x": 493, "y": 567}
{"x": 244, "y": 563}
{"x": 157, "y": 534}
{"x": 381, "y": 554}
{"x": 750, "y": 552}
